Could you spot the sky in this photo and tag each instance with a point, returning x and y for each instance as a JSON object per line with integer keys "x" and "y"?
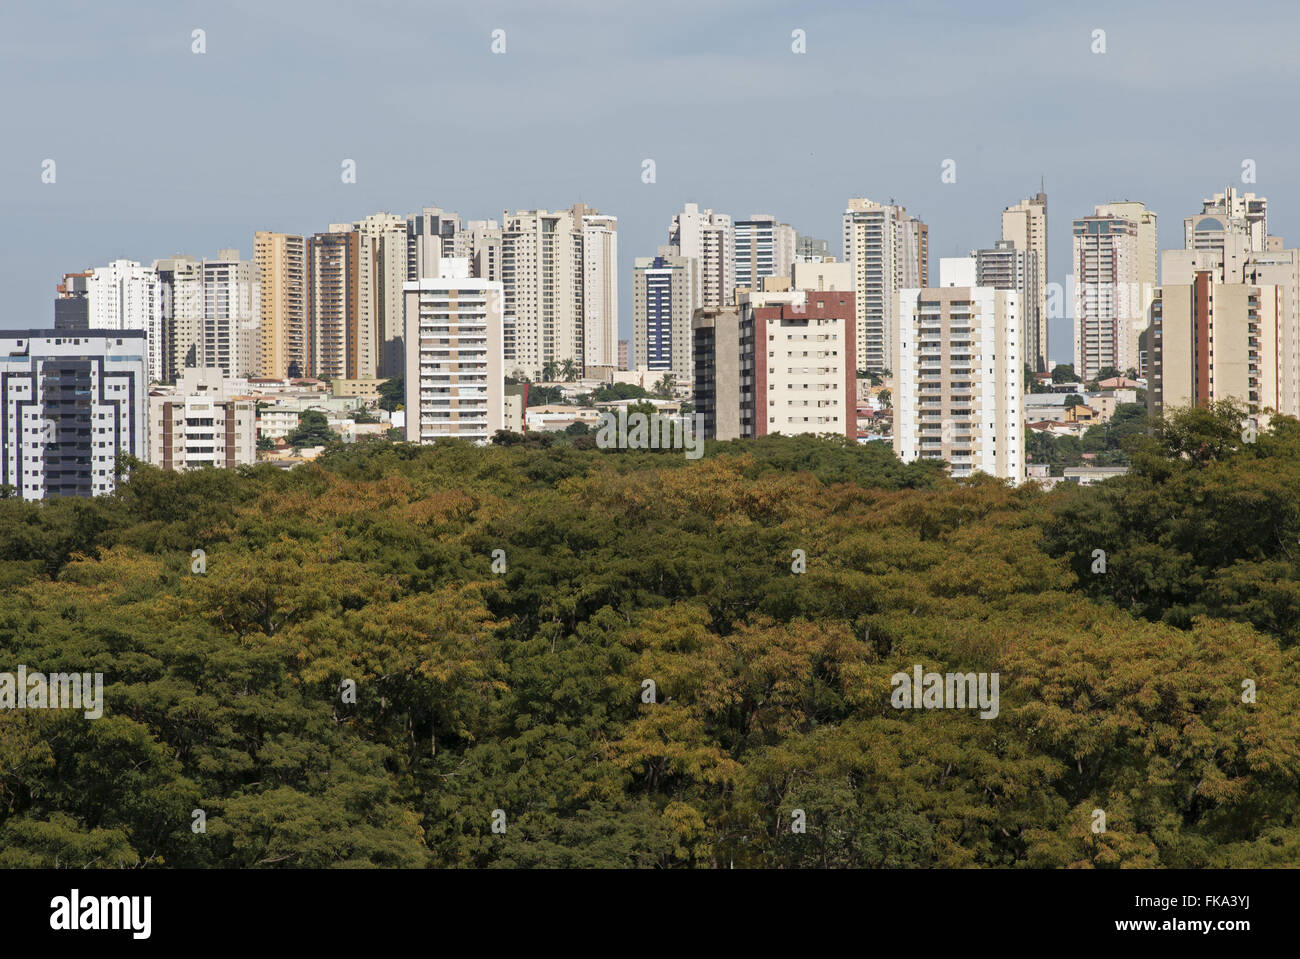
{"x": 159, "y": 150}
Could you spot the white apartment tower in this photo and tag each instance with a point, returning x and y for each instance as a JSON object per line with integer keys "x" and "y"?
{"x": 889, "y": 251}
{"x": 764, "y": 248}
{"x": 710, "y": 239}
{"x": 455, "y": 380}
{"x": 599, "y": 290}
{"x": 127, "y": 296}
{"x": 541, "y": 274}
{"x": 958, "y": 374}
{"x": 71, "y": 402}
{"x": 229, "y": 335}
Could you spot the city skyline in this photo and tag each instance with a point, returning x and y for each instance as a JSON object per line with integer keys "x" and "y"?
{"x": 147, "y": 198}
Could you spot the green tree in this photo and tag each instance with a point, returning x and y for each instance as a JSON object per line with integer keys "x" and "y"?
{"x": 312, "y": 430}
{"x": 392, "y": 393}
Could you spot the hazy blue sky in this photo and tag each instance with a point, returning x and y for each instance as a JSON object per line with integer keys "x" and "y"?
{"x": 162, "y": 151}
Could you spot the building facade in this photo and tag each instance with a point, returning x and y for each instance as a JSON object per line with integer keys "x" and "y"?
{"x": 764, "y": 248}
{"x": 710, "y": 239}
{"x": 958, "y": 375}
{"x": 281, "y": 260}
{"x": 1025, "y": 226}
{"x": 889, "y": 251}
{"x": 205, "y": 421}
{"x": 455, "y": 378}
{"x": 73, "y": 402}
{"x": 664, "y": 299}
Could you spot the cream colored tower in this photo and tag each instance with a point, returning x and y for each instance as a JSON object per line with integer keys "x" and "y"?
{"x": 1025, "y": 225}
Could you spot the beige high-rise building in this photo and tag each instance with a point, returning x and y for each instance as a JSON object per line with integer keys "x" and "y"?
{"x": 431, "y": 234}
{"x": 207, "y": 420}
{"x": 889, "y": 251}
{"x": 381, "y": 273}
{"x": 541, "y": 274}
{"x": 1216, "y": 341}
{"x": 281, "y": 260}
{"x": 958, "y": 375}
{"x": 229, "y": 329}
{"x": 1025, "y": 225}
{"x": 710, "y": 239}
{"x": 481, "y": 240}
{"x": 1148, "y": 269}
{"x": 455, "y": 379}
{"x": 182, "y": 321}
{"x": 1227, "y": 320}
{"x": 332, "y": 310}
{"x": 1245, "y": 215}
{"x": 545, "y": 270}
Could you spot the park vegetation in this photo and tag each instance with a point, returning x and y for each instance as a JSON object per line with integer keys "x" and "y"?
{"x": 501, "y": 609}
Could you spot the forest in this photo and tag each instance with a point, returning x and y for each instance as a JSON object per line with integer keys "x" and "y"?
{"x": 536, "y": 654}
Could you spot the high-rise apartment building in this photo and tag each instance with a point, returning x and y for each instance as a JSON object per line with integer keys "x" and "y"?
{"x": 715, "y": 346}
{"x": 1148, "y": 266}
{"x": 229, "y": 334}
{"x": 764, "y": 248}
{"x": 1004, "y": 267}
{"x": 541, "y": 275}
{"x": 1025, "y": 225}
{"x": 599, "y": 289}
{"x": 124, "y": 295}
{"x": 777, "y": 362}
{"x": 958, "y": 375}
{"x": 1226, "y": 321}
{"x": 1217, "y": 341}
{"x": 281, "y": 260}
{"x": 482, "y": 242}
{"x": 454, "y": 358}
{"x": 1110, "y": 295}
{"x": 182, "y": 313}
{"x": 430, "y": 235}
{"x": 207, "y": 420}
{"x": 1229, "y": 212}
{"x": 381, "y": 276}
{"x": 71, "y": 403}
{"x": 664, "y": 299}
{"x": 332, "y": 304}
{"x": 889, "y": 251}
{"x": 710, "y": 239}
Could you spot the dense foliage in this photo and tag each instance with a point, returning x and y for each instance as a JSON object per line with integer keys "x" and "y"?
{"x": 1108, "y": 442}
{"x": 521, "y": 691}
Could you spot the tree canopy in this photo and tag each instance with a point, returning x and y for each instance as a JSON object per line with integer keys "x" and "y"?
{"x": 532, "y": 654}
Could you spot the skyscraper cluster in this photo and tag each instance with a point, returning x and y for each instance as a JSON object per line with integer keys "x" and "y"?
{"x": 762, "y": 327}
